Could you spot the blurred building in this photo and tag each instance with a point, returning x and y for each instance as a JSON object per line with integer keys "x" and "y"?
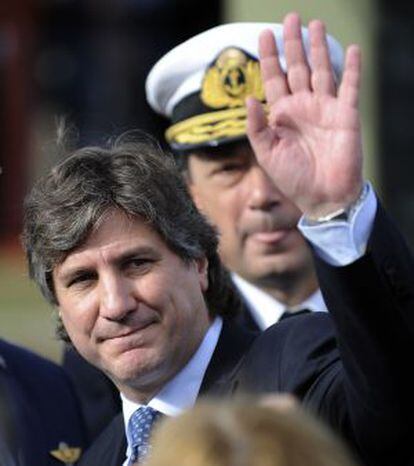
{"x": 16, "y": 40}
{"x": 85, "y": 60}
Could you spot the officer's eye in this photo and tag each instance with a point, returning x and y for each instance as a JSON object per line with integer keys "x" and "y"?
{"x": 231, "y": 166}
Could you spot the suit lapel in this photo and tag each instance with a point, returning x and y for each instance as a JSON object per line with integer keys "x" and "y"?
{"x": 117, "y": 445}
{"x": 109, "y": 448}
{"x": 232, "y": 345}
{"x": 245, "y": 319}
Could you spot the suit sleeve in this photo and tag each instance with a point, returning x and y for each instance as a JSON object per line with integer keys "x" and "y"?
{"x": 371, "y": 301}
{"x": 351, "y": 367}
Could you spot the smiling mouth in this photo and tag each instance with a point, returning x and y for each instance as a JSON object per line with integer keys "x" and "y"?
{"x": 130, "y": 332}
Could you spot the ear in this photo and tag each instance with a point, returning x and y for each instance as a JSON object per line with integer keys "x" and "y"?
{"x": 198, "y": 200}
{"x": 192, "y": 185}
{"x": 202, "y": 269}
{"x": 61, "y": 332}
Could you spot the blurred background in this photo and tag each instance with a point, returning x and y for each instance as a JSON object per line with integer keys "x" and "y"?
{"x": 86, "y": 60}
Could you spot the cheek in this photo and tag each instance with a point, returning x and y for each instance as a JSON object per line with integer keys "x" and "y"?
{"x": 182, "y": 306}
{"x": 75, "y": 327}
{"x": 184, "y": 333}
{"x": 302, "y": 250}
{"x": 219, "y": 202}
{"x": 225, "y": 211}
{"x": 78, "y": 316}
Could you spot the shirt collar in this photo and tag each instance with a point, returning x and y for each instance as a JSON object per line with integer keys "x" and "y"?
{"x": 180, "y": 393}
{"x": 314, "y": 302}
{"x": 265, "y": 309}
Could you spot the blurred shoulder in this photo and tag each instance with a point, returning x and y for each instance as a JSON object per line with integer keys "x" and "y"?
{"x": 15, "y": 358}
{"x": 303, "y": 329}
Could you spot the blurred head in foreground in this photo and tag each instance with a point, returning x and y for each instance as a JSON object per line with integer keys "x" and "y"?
{"x": 246, "y": 434}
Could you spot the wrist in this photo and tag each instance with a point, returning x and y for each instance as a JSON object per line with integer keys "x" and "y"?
{"x": 342, "y": 213}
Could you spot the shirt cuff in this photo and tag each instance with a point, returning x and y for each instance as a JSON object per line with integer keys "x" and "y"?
{"x": 341, "y": 242}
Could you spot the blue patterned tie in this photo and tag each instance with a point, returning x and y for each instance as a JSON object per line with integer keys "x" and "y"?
{"x": 139, "y": 427}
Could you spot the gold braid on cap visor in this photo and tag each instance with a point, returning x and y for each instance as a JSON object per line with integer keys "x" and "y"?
{"x": 233, "y": 76}
{"x": 208, "y": 127}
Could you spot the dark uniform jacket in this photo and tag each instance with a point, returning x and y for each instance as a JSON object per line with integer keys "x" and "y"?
{"x": 39, "y": 411}
{"x": 99, "y": 398}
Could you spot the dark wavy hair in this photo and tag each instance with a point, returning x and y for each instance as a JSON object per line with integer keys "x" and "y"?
{"x": 135, "y": 177}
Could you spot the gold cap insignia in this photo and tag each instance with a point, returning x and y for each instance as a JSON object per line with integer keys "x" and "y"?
{"x": 230, "y": 79}
{"x": 65, "y": 454}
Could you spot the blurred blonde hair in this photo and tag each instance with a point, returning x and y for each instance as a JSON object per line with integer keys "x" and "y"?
{"x": 216, "y": 433}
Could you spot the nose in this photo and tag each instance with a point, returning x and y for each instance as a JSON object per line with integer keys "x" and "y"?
{"x": 263, "y": 194}
{"x": 116, "y": 298}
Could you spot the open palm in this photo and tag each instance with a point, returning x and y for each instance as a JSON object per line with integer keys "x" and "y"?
{"x": 310, "y": 143}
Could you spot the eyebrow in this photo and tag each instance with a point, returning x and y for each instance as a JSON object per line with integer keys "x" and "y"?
{"x": 137, "y": 251}
{"x": 219, "y": 157}
{"x": 76, "y": 270}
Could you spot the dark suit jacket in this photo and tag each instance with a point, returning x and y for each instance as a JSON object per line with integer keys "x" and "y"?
{"x": 38, "y": 409}
{"x": 350, "y": 368}
{"x": 99, "y": 398}
{"x": 110, "y": 447}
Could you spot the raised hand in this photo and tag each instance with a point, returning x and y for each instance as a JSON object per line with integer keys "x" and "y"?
{"x": 310, "y": 144}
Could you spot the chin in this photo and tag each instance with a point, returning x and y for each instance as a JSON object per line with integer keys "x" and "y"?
{"x": 269, "y": 274}
{"x": 131, "y": 365}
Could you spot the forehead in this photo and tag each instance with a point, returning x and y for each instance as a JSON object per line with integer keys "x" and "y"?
{"x": 116, "y": 232}
{"x": 223, "y": 152}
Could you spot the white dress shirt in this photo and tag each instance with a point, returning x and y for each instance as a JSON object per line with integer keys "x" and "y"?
{"x": 180, "y": 393}
{"x": 343, "y": 242}
{"x": 267, "y": 310}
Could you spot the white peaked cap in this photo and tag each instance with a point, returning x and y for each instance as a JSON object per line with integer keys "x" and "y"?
{"x": 180, "y": 72}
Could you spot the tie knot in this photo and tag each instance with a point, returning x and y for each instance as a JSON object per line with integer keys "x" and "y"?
{"x": 139, "y": 427}
{"x": 291, "y": 313}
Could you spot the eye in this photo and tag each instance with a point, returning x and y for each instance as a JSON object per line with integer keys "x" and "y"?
{"x": 137, "y": 261}
{"x": 231, "y": 167}
{"x": 230, "y": 172}
{"x": 138, "y": 264}
{"x": 81, "y": 279}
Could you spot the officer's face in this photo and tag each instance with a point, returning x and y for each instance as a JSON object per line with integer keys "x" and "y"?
{"x": 257, "y": 224}
{"x": 131, "y": 306}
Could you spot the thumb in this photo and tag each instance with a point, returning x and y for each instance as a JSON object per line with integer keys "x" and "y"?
{"x": 261, "y": 136}
{"x": 256, "y": 117}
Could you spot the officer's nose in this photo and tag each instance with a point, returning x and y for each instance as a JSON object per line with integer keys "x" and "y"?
{"x": 263, "y": 194}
